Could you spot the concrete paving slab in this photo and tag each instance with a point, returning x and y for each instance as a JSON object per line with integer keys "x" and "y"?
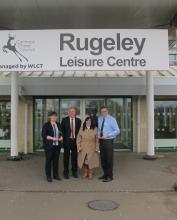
{"x": 131, "y": 173}
{"x": 73, "y": 206}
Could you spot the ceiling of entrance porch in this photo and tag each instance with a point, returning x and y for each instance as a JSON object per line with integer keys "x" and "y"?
{"x": 172, "y": 72}
{"x": 43, "y": 14}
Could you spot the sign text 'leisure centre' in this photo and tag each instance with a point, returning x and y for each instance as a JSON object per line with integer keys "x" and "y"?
{"x": 84, "y": 49}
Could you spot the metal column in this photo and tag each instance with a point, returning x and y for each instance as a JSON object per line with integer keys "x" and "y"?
{"x": 150, "y": 116}
{"x": 14, "y": 117}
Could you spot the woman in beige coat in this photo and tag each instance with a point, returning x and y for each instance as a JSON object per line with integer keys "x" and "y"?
{"x": 88, "y": 148}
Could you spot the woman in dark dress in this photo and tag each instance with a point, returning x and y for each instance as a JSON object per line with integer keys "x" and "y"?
{"x": 52, "y": 138}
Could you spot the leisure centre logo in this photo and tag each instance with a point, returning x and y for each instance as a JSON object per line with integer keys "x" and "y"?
{"x": 12, "y": 47}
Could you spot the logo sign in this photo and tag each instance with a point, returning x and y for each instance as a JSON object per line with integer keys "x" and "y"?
{"x": 84, "y": 49}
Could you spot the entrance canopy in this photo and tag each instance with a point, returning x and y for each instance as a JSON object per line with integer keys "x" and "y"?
{"x": 172, "y": 72}
{"x": 90, "y": 83}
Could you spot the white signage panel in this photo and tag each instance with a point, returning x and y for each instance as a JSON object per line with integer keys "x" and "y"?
{"x": 84, "y": 49}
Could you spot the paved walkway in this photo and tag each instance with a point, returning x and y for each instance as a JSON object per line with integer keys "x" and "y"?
{"x": 73, "y": 206}
{"x": 144, "y": 190}
{"x": 131, "y": 174}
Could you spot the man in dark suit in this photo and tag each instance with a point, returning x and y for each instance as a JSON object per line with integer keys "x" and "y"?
{"x": 52, "y": 137}
{"x": 70, "y": 128}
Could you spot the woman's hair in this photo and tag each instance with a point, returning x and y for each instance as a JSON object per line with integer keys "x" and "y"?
{"x": 92, "y": 123}
{"x": 52, "y": 113}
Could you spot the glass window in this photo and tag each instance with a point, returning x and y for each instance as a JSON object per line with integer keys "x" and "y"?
{"x": 92, "y": 106}
{"x": 41, "y": 109}
{"x": 4, "y": 120}
{"x": 165, "y": 115}
{"x": 120, "y": 108}
{"x": 68, "y": 103}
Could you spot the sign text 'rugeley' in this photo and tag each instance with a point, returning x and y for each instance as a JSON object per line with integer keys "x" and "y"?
{"x": 97, "y": 45}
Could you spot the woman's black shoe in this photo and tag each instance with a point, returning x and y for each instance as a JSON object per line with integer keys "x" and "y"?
{"x": 49, "y": 180}
{"x": 75, "y": 175}
{"x": 57, "y": 178}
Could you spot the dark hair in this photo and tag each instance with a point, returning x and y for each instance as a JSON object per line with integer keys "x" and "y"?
{"x": 102, "y": 107}
{"x": 52, "y": 113}
{"x": 92, "y": 123}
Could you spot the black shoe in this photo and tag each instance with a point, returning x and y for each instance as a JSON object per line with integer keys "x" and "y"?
{"x": 66, "y": 176}
{"x": 108, "y": 179}
{"x": 101, "y": 177}
{"x": 75, "y": 175}
{"x": 57, "y": 178}
{"x": 49, "y": 179}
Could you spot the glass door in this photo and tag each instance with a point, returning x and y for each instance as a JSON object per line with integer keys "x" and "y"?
{"x": 65, "y": 104}
{"x": 92, "y": 107}
{"x": 121, "y": 109}
{"x": 5, "y": 117}
{"x": 41, "y": 109}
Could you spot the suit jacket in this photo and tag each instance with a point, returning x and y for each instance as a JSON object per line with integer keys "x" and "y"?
{"x": 66, "y": 129}
{"x": 47, "y": 130}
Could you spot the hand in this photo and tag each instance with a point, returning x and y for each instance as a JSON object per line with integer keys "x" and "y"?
{"x": 60, "y": 138}
{"x": 49, "y": 138}
{"x": 104, "y": 137}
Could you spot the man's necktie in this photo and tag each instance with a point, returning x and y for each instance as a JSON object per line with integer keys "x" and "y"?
{"x": 102, "y": 127}
{"x": 55, "y": 134}
{"x": 72, "y": 129}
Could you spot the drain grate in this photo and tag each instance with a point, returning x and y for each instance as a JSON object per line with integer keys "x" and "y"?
{"x": 103, "y": 205}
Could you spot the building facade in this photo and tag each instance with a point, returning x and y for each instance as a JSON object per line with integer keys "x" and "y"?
{"x": 123, "y": 92}
{"x": 144, "y": 103}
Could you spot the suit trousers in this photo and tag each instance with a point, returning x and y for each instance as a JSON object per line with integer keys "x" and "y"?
{"x": 106, "y": 155}
{"x": 70, "y": 148}
{"x": 52, "y": 161}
